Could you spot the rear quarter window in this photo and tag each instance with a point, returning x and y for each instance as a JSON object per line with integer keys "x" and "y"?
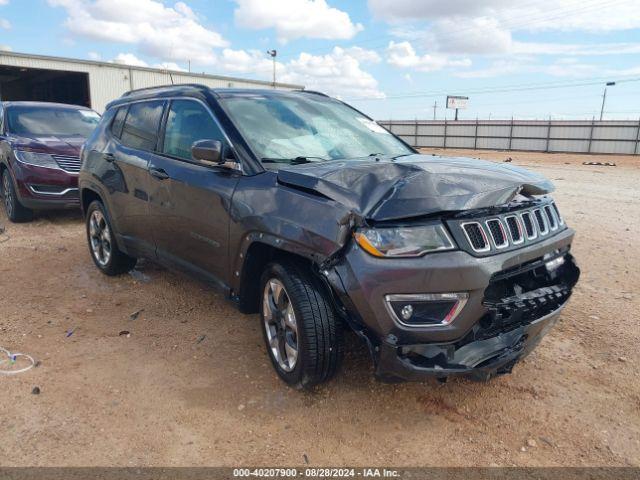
{"x": 141, "y": 126}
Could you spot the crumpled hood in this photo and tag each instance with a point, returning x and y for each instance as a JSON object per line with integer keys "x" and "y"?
{"x": 415, "y": 185}
{"x": 54, "y": 145}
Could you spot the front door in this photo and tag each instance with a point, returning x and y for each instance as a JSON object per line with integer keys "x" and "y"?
{"x": 190, "y": 202}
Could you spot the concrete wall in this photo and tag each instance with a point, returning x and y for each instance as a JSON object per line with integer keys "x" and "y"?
{"x": 607, "y": 136}
{"x": 108, "y": 81}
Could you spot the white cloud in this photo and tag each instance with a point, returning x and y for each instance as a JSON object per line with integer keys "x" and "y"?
{"x": 94, "y": 56}
{"x": 131, "y": 59}
{"x": 403, "y": 55}
{"x": 172, "y": 34}
{"x": 519, "y": 15}
{"x": 296, "y": 19}
{"x": 336, "y": 73}
{"x": 4, "y": 2}
{"x": 5, "y": 24}
{"x": 5, "y": 48}
{"x": 487, "y": 27}
{"x": 363, "y": 55}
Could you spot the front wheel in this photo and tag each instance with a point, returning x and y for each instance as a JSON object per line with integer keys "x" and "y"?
{"x": 102, "y": 243}
{"x": 16, "y": 212}
{"x": 301, "y": 331}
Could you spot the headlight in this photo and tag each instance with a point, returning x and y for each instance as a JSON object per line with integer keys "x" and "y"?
{"x": 404, "y": 241}
{"x": 36, "y": 159}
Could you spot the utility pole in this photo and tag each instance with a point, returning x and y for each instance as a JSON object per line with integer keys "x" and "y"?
{"x": 435, "y": 106}
{"x": 604, "y": 97}
{"x": 273, "y": 54}
{"x": 189, "y": 66}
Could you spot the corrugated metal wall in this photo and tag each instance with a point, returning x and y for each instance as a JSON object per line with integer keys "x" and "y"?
{"x": 608, "y": 136}
{"x": 108, "y": 81}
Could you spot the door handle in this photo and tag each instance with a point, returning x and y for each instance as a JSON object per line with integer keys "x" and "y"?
{"x": 109, "y": 157}
{"x": 159, "y": 173}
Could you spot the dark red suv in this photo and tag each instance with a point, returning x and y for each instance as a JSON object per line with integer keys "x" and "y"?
{"x": 40, "y": 155}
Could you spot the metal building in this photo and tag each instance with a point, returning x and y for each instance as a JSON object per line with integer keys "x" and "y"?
{"x": 94, "y": 84}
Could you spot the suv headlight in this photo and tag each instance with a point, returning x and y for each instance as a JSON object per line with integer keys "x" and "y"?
{"x": 36, "y": 159}
{"x": 404, "y": 241}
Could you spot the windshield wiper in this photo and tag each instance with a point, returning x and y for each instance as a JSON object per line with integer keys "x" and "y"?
{"x": 292, "y": 161}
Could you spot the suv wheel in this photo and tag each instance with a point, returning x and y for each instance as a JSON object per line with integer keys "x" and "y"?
{"x": 15, "y": 210}
{"x": 102, "y": 243}
{"x": 301, "y": 330}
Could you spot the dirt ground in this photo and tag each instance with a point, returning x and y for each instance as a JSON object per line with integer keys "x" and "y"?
{"x": 192, "y": 385}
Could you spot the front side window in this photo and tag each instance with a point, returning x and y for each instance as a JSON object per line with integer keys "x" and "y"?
{"x": 281, "y": 128}
{"x": 187, "y": 122}
{"x": 28, "y": 120}
{"x": 141, "y": 126}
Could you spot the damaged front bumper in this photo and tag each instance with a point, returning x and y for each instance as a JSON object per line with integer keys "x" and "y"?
{"x": 513, "y": 300}
{"x": 480, "y": 360}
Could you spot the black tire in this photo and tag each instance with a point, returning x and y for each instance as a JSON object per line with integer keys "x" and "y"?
{"x": 16, "y": 212}
{"x": 319, "y": 330}
{"x": 117, "y": 262}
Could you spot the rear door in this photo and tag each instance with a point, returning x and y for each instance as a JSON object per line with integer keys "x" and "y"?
{"x": 190, "y": 202}
{"x": 135, "y": 130}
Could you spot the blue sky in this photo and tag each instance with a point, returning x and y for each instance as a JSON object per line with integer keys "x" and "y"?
{"x": 390, "y": 58}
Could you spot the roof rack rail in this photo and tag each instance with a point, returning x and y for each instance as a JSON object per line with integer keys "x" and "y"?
{"x": 197, "y": 86}
{"x": 315, "y": 92}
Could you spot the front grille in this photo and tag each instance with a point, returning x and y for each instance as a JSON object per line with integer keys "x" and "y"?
{"x": 512, "y": 228}
{"x": 515, "y": 230}
{"x": 528, "y": 225}
{"x": 497, "y": 233}
{"x": 542, "y": 225}
{"x": 67, "y": 163}
{"x": 551, "y": 217}
{"x": 476, "y": 236}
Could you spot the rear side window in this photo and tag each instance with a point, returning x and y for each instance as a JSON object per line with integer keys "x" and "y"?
{"x": 187, "y": 122}
{"x": 118, "y": 121}
{"x": 140, "y": 128}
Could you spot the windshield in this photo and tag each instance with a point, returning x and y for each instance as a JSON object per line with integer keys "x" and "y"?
{"x": 307, "y": 127}
{"x": 58, "y": 121}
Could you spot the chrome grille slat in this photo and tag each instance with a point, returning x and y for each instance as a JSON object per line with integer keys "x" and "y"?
{"x": 515, "y": 229}
{"x": 543, "y": 228}
{"x": 498, "y": 233}
{"x": 476, "y": 236}
{"x": 530, "y": 229}
{"x": 68, "y": 163}
{"x": 553, "y": 223}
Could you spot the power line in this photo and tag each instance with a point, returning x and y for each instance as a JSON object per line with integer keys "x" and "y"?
{"x": 488, "y": 90}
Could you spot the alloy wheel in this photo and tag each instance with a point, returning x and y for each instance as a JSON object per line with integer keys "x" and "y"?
{"x": 280, "y": 324}
{"x": 7, "y": 192}
{"x": 100, "y": 238}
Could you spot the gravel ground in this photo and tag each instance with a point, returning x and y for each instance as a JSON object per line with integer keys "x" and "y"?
{"x": 191, "y": 383}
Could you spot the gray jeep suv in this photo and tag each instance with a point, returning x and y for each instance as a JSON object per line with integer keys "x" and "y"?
{"x": 303, "y": 209}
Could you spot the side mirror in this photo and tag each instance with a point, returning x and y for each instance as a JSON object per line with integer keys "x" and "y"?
{"x": 207, "y": 152}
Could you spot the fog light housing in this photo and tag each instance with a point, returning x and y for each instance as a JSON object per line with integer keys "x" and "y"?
{"x": 426, "y": 309}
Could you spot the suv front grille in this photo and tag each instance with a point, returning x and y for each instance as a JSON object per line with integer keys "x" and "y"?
{"x": 476, "y": 236}
{"x": 497, "y": 232}
{"x": 509, "y": 230}
{"x": 67, "y": 163}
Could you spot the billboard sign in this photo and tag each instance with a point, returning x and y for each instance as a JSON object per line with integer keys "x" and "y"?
{"x": 455, "y": 102}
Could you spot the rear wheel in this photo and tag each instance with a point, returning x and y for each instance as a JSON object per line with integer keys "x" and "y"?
{"x": 15, "y": 210}
{"x": 301, "y": 331}
{"x": 102, "y": 243}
